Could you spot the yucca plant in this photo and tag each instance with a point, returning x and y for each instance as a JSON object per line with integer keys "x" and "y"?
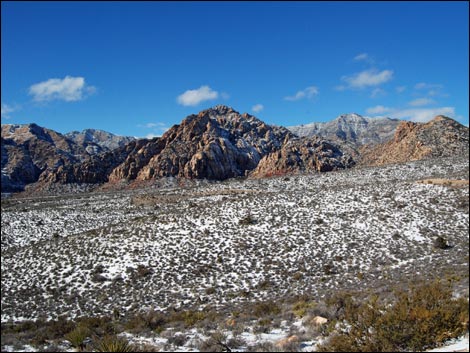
{"x": 112, "y": 343}
{"x": 77, "y": 336}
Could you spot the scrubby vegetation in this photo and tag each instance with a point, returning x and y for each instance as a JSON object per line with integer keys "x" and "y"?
{"x": 414, "y": 320}
{"x": 256, "y": 260}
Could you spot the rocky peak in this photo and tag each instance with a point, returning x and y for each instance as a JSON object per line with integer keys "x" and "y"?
{"x": 440, "y": 137}
{"x": 219, "y": 110}
{"x": 441, "y": 118}
{"x": 217, "y": 143}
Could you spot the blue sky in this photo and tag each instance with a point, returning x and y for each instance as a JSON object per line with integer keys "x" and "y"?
{"x": 137, "y": 68}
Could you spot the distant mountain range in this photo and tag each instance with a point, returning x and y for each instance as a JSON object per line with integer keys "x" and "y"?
{"x": 217, "y": 144}
{"x": 29, "y": 150}
{"x": 105, "y": 140}
{"x": 352, "y": 128}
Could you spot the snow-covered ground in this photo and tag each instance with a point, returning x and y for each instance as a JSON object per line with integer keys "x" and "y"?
{"x": 232, "y": 242}
{"x": 92, "y": 253}
{"x": 457, "y": 345}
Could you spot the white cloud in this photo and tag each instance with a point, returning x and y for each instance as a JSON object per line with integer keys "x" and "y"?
{"x": 422, "y": 114}
{"x": 196, "y": 96}
{"x": 434, "y": 89}
{"x": 371, "y": 77}
{"x": 362, "y": 56}
{"x": 376, "y": 92}
{"x": 68, "y": 89}
{"x": 308, "y": 93}
{"x": 378, "y": 109}
{"x": 400, "y": 89}
{"x": 7, "y": 109}
{"x": 424, "y": 85}
{"x": 257, "y": 108}
{"x": 420, "y": 102}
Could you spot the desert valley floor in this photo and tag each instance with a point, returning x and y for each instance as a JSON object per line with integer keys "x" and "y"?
{"x": 224, "y": 244}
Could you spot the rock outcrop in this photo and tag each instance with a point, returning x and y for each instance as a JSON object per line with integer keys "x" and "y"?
{"x": 32, "y": 153}
{"x": 99, "y": 168}
{"x": 440, "y": 137}
{"x": 352, "y": 128}
{"x": 216, "y": 144}
{"x": 303, "y": 155}
{"x": 29, "y": 150}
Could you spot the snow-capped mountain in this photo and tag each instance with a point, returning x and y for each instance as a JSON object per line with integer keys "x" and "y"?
{"x": 352, "y": 128}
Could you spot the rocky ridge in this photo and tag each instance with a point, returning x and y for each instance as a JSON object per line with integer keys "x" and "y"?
{"x": 440, "y": 137}
{"x": 97, "y": 141}
{"x": 29, "y": 150}
{"x": 306, "y": 155}
{"x": 217, "y": 144}
{"x": 352, "y": 128}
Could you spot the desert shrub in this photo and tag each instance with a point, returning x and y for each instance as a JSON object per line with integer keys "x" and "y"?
{"x": 143, "y": 271}
{"x": 150, "y": 320}
{"x": 247, "y": 220}
{"x": 418, "y": 319}
{"x": 188, "y": 317}
{"x": 77, "y": 336}
{"x": 267, "y": 308}
{"x": 301, "y": 307}
{"x": 177, "y": 339}
{"x": 111, "y": 343}
{"x": 217, "y": 342}
{"x": 210, "y": 290}
{"x": 441, "y": 243}
{"x": 99, "y": 325}
{"x": 40, "y": 331}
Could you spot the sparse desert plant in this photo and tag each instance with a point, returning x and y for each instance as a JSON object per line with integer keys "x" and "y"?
{"x": 188, "y": 317}
{"x": 177, "y": 339}
{"x": 217, "y": 342}
{"x": 112, "y": 343}
{"x": 77, "y": 336}
{"x": 267, "y": 308}
{"x": 247, "y": 220}
{"x": 441, "y": 243}
{"x": 301, "y": 307}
